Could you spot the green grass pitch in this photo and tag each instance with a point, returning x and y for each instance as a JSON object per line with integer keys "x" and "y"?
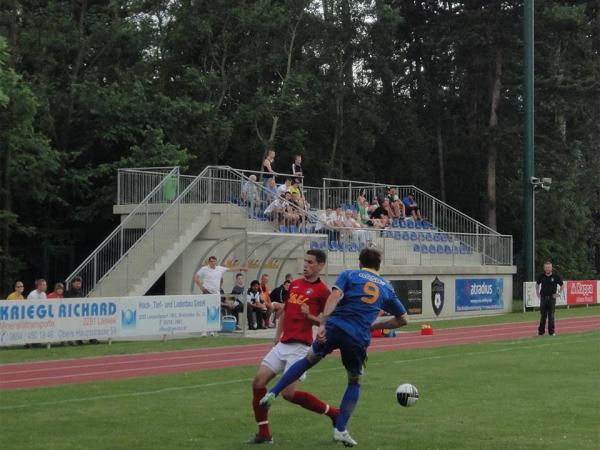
{"x": 537, "y": 393}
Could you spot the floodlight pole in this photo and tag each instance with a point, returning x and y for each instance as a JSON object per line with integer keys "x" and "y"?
{"x": 528, "y": 154}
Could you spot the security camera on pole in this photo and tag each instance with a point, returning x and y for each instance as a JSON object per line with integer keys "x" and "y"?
{"x": 537, "y": 185}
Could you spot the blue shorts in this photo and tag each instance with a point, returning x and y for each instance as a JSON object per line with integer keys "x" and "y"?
{"x": 353, "y": 353}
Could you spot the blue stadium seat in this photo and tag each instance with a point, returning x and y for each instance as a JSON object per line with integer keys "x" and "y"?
{"x": 314, "y": 245}
{"x": 432, "y": 248}
{"x": 427, "y": 224}
{"x": 455, "y": 249}
{"x": 410, "y": 224}
{"x": 437, "y": 237}
{"x": 416, "y": 248}
{"x": 444, "y": 237}
{"x": 397, "y": 235}
{"x": 413, "y": 236}
{"x": 419, "y": 224}
{"x": 440, "y": 249}
{"x": 405, "y": 235}
{"x": 333, "y": 246}
{"x": 447, "y": 249}
{"x": 429, "y": 236}
{"x": 424, "y": 249}
{"x": 421, "y": 236}
{"x": 402, "y": 223}
{"x": 395, "y": 223}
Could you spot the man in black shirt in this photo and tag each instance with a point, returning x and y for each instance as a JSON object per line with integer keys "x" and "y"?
{"x": 281, "y": 293}
{"x": 547, "y": 292}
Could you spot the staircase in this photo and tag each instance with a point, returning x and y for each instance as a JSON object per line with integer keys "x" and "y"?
{"x": 148, "y": 240}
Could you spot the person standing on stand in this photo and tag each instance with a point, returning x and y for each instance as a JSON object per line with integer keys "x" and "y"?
{"x": 548, "y": 291}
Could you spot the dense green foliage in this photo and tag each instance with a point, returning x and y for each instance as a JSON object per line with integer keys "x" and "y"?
{"x": 498, "y": 395}
{"x": 411, "y": 92}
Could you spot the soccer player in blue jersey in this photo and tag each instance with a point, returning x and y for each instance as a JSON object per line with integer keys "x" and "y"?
{"x": 348, "y": 318}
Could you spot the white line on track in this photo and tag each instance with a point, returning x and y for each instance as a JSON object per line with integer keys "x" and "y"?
{"x": 564, "y": 339}
{"x": 225, "y": 357}
{"x": 228, "y": 351}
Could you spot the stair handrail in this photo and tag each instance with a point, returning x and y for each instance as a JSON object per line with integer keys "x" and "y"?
{"x": 89, "y": 285}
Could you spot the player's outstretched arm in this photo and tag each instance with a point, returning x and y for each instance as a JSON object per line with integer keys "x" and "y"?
{"x": 394, "y": 322}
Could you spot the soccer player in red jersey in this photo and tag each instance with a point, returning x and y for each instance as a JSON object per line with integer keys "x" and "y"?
{"x": 293, "y": 338}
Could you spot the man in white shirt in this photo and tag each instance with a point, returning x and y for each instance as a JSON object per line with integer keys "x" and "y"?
{"x": 39, "y": 293}
{"x": 208, "y": 278}
{"x": 283, "y": 188}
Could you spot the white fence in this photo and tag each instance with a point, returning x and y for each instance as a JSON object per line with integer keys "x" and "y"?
{"x": 47, "y": 321}
{"x": 574, "y": 292}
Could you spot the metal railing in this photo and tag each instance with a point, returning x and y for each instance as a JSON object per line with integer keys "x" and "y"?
{"x": 104, "y": 258}
{"x": 336, "y": 192}
{"x": 161, "y": 234}
{"x": 224, "y": 185}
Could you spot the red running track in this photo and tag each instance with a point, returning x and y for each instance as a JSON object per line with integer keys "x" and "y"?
{"x": 49, "y": 373}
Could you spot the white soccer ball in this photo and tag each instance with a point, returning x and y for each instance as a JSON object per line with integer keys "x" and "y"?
{"x": 407, "y": 394}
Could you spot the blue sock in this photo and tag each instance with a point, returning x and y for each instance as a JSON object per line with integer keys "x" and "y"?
{"x": 348, "y": 403}
{"x": 291, "y": 375}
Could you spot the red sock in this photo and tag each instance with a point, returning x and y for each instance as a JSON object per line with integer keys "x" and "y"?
{"x": 260, "y": 413}
{"x": 312, "y": 403}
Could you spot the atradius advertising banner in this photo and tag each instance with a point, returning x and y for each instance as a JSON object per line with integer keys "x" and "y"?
{"x": 478, "y": 294}
{"x": 42, "y": 321}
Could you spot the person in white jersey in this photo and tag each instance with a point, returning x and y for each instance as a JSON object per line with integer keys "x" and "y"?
{"x": 208, "y": 278}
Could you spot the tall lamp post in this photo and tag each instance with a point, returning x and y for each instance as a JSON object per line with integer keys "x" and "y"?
{"x": 528, "y": 150}
{"x": 537, "y": 185}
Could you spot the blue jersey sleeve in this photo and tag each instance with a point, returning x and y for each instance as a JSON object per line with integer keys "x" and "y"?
{"x": 343, "y": 281}
{"x": 392, "y": 303}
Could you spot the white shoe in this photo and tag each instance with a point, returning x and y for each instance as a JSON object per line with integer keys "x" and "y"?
{"x": 204, "y": 334}
{"x": 343, "y": 437}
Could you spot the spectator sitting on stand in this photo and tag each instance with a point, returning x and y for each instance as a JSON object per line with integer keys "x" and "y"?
{"x": 294, "y": 188}
{"x": 249, "y": 195}
{"x": 275, "y": 211}
{"x": 290, "y": 214}
{"x": 18, "y": 292}
{"x": 271, "y": 191}
{"x": 323, "y": 220}
{"x": 284, "y": 188}
{"x": 362, "y": 197}
{"x": 256, "y": 308}
{"x": 411, "y": 207}
{"x": 363, "y": 215}
{"x": 396, "y": 205}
